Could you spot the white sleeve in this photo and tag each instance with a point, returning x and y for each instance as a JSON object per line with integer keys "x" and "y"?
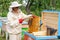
{"x": 26, "y": 16}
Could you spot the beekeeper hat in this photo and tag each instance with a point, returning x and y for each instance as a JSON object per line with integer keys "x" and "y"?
{"x": 15, "y": 4}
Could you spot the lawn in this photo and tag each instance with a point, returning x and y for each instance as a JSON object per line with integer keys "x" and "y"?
{"x": 2, "y": 38}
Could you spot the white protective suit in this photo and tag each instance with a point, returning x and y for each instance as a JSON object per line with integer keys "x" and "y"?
{"x": 14, "y": 27}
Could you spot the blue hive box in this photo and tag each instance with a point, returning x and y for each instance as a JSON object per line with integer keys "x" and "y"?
{"x": 0, "y": 23}
{"x": 51, "y": 20}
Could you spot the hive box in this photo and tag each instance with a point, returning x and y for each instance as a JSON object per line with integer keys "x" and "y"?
{"x": 51, "y": 24}
{"x": 50, "y": 20}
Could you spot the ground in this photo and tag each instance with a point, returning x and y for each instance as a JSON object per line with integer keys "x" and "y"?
{"x": 2, "y": 38}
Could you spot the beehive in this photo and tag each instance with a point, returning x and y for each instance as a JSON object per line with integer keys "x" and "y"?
{"x": 50, "y": 20}
{"x": 34, "y": 24}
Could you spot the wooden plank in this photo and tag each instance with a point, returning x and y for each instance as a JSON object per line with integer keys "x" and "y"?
{"x": 40, "y": 33}
{"x": 52, "y": 22}
{"x": 51, "y": 14}
{"x": 53, "y": 26}
{"x": 52, "y": 18}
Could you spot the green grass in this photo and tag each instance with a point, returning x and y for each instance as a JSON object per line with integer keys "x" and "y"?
{"x": 2, "y": 38}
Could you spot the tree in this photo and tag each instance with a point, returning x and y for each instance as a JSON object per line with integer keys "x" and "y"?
{"x": 33, "y": 6}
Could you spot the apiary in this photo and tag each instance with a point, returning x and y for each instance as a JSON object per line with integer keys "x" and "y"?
{"x": 50, "y": 27}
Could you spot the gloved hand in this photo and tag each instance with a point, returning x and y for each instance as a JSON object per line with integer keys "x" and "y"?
{"x": 21, "y": 20}
{"x": 33, "y": 16}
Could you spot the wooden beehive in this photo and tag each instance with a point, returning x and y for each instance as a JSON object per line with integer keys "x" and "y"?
{"x": 50, "y": 20}
{"x": 34, "y": 24}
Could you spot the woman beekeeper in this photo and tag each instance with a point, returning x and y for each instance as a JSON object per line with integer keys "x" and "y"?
{"x": 15, "y": 18}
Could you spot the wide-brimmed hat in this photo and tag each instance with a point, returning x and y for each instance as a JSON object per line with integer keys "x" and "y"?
{"x": 15, "y": 4}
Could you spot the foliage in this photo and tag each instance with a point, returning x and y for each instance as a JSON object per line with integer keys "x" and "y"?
{"x": 35, "y": 7}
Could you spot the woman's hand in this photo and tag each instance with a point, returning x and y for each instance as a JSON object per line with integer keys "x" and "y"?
{"x": 33, "y": 16}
